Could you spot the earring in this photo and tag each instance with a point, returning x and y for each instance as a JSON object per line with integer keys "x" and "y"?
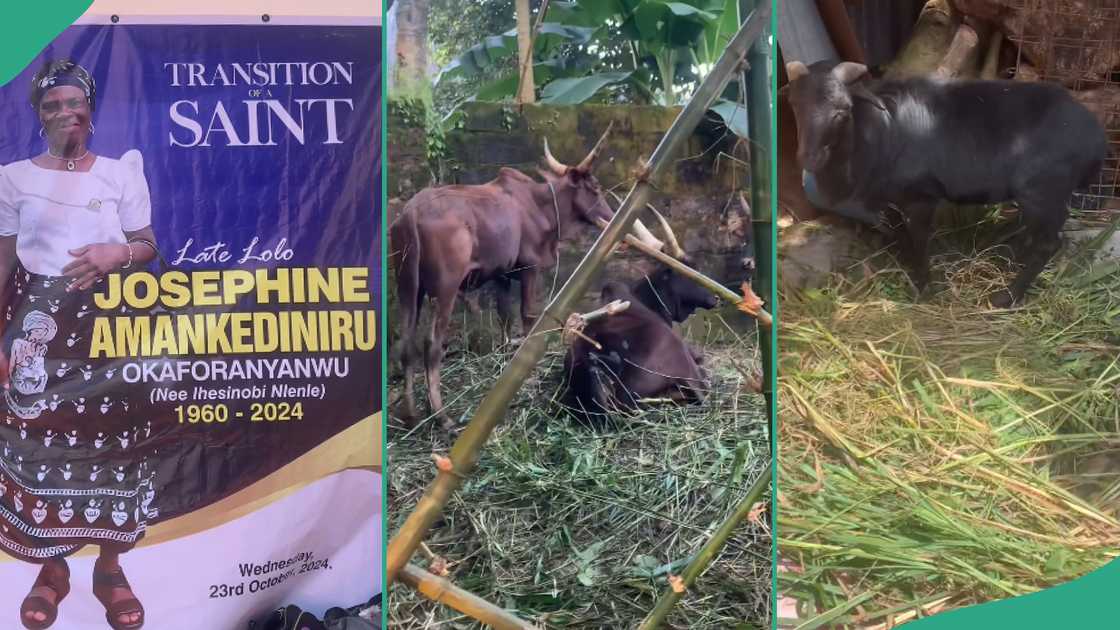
{"x": 41, "y": 134}
{"x": 91, "y": 130}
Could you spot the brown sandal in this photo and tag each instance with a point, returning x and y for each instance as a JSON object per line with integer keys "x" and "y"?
{"x": 54, "y": 575}
{"x": 103, "y": 584}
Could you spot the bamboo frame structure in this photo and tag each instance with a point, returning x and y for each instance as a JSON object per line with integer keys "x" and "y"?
{"x": 467, "y": 448}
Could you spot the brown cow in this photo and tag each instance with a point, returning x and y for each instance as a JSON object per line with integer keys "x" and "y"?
{"x": 454, "y": 238}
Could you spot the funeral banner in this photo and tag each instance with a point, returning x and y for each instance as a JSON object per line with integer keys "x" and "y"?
{"x": 190, "y": 312}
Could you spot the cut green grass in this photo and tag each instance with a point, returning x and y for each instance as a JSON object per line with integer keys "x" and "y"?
{"x": 939, "y": 454}
{"x": 572, "y": 527}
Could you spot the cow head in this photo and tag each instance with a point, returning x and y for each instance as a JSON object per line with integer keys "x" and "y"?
{"x": 821, "y": 97}
{"x": 672, "y": 295}
{"x": 579, "y": 184}
{"x": 588, "y": 203}
{"x": 614, "y": 290}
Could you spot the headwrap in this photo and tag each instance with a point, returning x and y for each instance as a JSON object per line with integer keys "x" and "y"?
{"x": 38, "y": 319}
{"x": 62, "y": 72}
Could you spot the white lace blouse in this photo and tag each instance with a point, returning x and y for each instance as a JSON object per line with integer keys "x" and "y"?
{"x": 51, "y": 212}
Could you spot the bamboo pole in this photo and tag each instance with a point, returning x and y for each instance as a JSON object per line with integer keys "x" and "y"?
{"x": 761, "y": 121}
{"x": 757, "y": 84}
{"x": 465, "y": 452}
{"x": 707, "y": 554}
{"x": 443, "y": 591}
{"x": 764, "y": 319}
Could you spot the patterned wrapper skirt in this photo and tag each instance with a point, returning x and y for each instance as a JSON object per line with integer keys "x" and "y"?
{"x": 77, "y": 460}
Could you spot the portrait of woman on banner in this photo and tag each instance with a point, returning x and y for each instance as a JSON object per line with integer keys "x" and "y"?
{"x": 76, "y": 467}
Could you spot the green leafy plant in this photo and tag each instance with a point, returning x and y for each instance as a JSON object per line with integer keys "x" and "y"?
{"x": 650, "y": 48}
{"x": 418, "y": 114}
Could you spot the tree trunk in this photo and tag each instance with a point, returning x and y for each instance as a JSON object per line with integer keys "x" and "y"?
{"x": 963, "y": 57}
{"x": 929, "y": 42}
{"x": 525, "y": 89}
{"x": 411, "y": 76}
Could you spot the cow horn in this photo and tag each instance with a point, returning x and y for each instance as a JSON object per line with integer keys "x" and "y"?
{"x": 585, "y": 165}
{"x": 849, "y": 71}
{"x": 795, "y": 70}
{"x": 645, "y": 236}
{"x": 556, "y": 166}
{"x": 671, "y": 238}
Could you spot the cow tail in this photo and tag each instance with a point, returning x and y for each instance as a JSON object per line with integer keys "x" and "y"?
{"x": 407, "y": 254}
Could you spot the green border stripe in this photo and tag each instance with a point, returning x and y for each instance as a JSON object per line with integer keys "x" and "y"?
{"x": 29, "y": 26}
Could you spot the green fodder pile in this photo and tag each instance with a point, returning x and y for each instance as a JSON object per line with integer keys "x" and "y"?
{"x": 939, "y": 454}
{"x": 573, "y": 527}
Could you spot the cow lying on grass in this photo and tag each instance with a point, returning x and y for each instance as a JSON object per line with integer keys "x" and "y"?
{"x": 642, "y": 356}
{"x": 866, "y": 144}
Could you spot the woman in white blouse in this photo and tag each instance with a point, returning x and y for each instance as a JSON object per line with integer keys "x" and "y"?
{"x": 68, "y": 217}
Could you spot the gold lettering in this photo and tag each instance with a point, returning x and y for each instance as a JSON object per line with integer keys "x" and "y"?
{"x": 319, "y": 286}
{"x": 264, "y": 332}
{"x": 102, "y": 339}
{"x": 151, "y": 290}
{"x": 166, "y": 341}
{"x": 112, "y": 298}
{"x": 365, "y": 331}
{"x": 280, "y": 285}
{"x": 204, "y": 285}
{"x": 175, "y": 291}
{"x": 134, "y": 336}
{"x": 342, "y": 334}
{"x": 355, "y": 284}
{"x": 236, "y": 282}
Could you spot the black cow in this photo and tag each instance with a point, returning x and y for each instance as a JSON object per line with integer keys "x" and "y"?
{"x": 641, "y": 357}
{"x": 915, "y": 142}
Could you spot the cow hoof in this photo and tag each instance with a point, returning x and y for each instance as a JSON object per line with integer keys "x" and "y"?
{"x": 923, "y": 294}
{"x": 406, "y": 416}
{"x": 1001, "y": 299}
{"x": 447, "y": 424}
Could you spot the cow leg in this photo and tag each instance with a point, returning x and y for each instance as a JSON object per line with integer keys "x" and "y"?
{"x": 694, "y": 390}
{"x": 503, "y": 301}
{"x": 441, "y": 321}
{"x": 471, "y": 301}
{"x": 406, "y": 349}
{"x": 1044, "y": 216}
{"x": 697, "y": 354}
{"x": 919, "y": 230}
{"x": 528, "y": 296}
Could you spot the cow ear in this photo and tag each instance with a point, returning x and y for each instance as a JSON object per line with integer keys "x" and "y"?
{"x": 849, "y": 71}
{"x": 795, "y": 70}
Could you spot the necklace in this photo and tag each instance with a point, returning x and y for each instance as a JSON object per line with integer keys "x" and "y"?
{"x": 70, "y": 162}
